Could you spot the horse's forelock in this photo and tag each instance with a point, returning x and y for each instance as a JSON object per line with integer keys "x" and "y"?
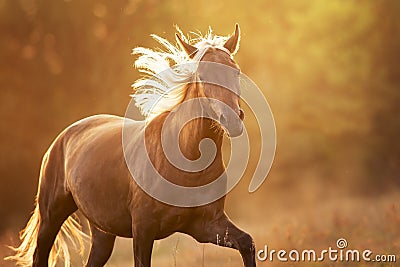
{"x": 162, "y": 88}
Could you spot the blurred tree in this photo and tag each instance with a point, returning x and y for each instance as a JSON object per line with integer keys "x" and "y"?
{"x": 382, "y": 150}
{"x": 329, "y": 69}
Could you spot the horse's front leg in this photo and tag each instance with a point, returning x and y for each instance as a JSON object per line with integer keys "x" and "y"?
{"x": 143, "y": 240}
{"x": 223, "y": 232}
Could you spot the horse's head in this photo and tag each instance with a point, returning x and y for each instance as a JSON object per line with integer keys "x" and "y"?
{"x": 218, "y": 81}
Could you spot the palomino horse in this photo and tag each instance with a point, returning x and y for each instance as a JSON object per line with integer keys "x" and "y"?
{"x": 85, "y": 168}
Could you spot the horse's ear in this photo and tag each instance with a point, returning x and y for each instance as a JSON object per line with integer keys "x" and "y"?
{"x": 232, "y": 44}
{"x": 189, "y": 49}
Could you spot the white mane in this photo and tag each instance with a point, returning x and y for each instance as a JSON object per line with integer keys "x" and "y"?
{"x": 167, "y": 71}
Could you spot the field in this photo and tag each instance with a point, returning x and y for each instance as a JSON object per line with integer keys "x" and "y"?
{"x": 278, "y": 222}
{"x": 330, "y": 71}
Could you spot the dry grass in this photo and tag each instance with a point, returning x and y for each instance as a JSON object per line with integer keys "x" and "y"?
{"x": 366, "y": 223}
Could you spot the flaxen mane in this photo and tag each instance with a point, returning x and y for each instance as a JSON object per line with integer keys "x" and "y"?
{"x": 167, "y": 70}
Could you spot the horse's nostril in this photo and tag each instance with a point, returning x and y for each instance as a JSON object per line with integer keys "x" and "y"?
{"x": 241, "y": 114}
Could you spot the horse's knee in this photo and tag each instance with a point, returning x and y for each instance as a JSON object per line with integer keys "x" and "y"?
{"x": 246, "y": 243}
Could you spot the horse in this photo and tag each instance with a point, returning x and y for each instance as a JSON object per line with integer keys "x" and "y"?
{"x": 85, "y": 168}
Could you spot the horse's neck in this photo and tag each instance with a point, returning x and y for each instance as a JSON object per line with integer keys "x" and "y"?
{"x": 187, "y": 139}
{"x": 193, "y": 132}
{"x": 176, "y": 130}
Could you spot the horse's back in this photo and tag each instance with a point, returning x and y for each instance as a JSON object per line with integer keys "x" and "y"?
{"x": 53, "y": 170}
{"x": 96, "y": 172}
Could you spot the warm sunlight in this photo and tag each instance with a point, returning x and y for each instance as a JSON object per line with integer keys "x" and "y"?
{"x": 330, "y": 73}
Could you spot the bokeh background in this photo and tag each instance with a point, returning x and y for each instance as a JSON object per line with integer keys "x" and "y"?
{"x": 329, "y": 69}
